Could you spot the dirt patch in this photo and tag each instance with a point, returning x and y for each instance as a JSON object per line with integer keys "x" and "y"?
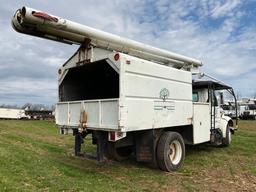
{"x": 217, "y": 179}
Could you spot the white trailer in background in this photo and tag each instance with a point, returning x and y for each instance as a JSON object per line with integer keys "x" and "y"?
{"x": 7, "y": 113}
{"x": 249, "y": 111}
{"x": 132, "y": 98}
{"x": 247, "y": 108}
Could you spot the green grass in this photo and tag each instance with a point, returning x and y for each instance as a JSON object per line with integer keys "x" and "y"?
{"x": 35, "y": 157}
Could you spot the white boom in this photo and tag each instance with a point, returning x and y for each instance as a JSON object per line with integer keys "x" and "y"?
{"x": 37, "y": 23}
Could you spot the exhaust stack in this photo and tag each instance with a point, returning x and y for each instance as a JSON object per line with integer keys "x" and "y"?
{"x": 37, "y": 23}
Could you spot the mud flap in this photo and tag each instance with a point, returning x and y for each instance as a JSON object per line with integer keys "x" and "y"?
{"x": 146, "y": 142}
{"x": 216, "y": 136}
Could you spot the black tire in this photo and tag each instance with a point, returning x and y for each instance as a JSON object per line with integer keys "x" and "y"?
{"x": 118, "y": 153}
{"x": 227, "y": 141}
{"x": 170, "y": 151}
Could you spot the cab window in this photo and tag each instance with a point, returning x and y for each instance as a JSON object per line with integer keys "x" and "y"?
{"x": 195, "y": 97}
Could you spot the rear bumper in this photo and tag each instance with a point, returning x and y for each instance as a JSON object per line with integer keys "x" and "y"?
{"x": 69, "y": 129}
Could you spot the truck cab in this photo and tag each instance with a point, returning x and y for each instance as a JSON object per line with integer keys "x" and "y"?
{"x": 205, "y": 92}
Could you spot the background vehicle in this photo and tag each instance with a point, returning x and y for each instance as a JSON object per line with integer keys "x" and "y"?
{"x": 7, "y": 113}
{"x": 249, "y": 111}
{"x": 132, "y": 98}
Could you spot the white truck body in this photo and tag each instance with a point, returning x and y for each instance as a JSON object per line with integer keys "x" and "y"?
{"x": 139, "y": 105}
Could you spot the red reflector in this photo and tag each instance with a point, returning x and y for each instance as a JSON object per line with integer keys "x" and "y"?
{"x": 45, "y": 16}
{"x": 116, "y": 57}
{"x": 112, "y": 136}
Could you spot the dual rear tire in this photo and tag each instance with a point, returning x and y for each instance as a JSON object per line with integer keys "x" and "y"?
{"x": 170, "y": 151}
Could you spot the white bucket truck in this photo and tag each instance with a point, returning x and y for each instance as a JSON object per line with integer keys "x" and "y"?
{"x": 133, "y": 98}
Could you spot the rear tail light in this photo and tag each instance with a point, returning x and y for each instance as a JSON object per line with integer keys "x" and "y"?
{"x": 112, "y": 136}
{"x": 116, "y": 135}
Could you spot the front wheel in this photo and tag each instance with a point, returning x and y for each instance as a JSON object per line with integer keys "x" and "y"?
{"x": 227, "y": 141}
{"x": 170, "y": 151}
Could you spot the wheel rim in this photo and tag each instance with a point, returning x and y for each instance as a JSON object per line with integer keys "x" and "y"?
{"x": 175, "y": 153}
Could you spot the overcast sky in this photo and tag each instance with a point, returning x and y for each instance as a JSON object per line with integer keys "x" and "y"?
{"x": 221, "y": 33}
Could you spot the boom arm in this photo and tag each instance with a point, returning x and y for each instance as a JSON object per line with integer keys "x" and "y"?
{"x": 37, "y": 23}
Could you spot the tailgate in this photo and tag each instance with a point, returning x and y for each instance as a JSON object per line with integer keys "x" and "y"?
{"x": 101, "y": 114}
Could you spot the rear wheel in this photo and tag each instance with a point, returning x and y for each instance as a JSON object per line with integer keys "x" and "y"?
{"x": 170, "y": 151}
